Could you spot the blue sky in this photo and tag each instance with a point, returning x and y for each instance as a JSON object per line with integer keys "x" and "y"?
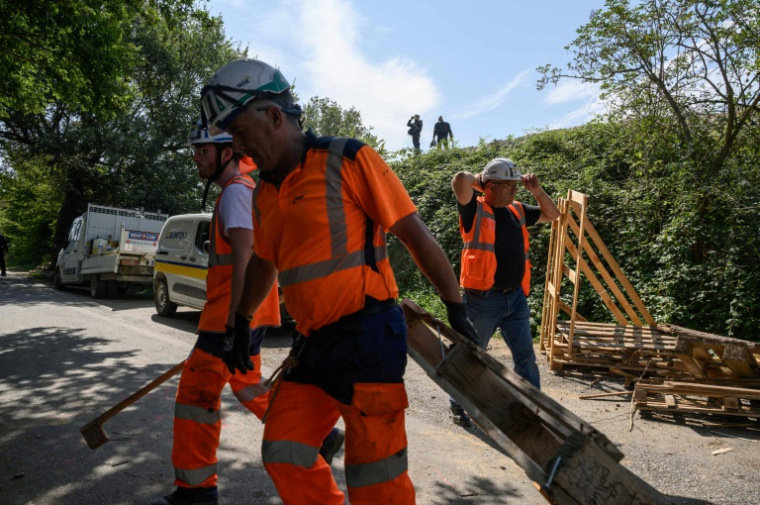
{"x": 471, "y": 62}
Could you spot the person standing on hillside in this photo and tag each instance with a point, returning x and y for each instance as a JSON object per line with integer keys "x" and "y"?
{"x": 321, "y": 215}
{"x": 211, "y": 365}
{"x": 442, "y": 133}
{"x": 3, "y": 251}
{"x": 415, "y": 130}
{"x": 495, "y": 265}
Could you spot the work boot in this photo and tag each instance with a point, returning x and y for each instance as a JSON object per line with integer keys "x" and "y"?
{"x": 332, "y": 444}
{"x": 186, "y": 496}
{"x": 460, "y": 417}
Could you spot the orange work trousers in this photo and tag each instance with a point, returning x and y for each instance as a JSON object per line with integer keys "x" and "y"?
{"x": 197, "y": 416}
{"x": 302, "y": 415}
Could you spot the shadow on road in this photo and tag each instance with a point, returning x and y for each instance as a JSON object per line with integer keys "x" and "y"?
{"x": 25, "y": 291}
{"x": 477, "y": 491}
{"x": 54, "y": 380}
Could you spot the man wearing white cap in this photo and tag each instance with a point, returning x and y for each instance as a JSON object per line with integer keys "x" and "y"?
{"x": 495, "y": 270}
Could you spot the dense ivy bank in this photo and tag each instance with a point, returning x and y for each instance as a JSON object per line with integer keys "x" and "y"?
{"x": 686, "y": 236}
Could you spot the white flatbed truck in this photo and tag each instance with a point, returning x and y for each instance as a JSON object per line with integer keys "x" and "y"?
{"x": 108, "y": 247}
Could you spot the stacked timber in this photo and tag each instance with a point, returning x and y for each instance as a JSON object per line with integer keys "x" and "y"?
{"x": 635, "y": 346}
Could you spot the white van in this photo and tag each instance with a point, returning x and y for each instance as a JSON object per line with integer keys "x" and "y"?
{"x": 181, "y": 264}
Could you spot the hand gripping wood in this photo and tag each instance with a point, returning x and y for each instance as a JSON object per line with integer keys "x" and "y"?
{"x": 93, "y": 431}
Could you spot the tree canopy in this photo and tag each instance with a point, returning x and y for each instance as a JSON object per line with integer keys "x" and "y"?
{"x": 327, "y": 117}
{"x": 72, "y": 51}
{"x": 132, "y": 155}
{"x": 682, "y": 66}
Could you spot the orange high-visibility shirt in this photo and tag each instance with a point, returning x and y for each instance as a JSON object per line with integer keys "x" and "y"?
{"x": 219, "y": 278}
{"x": 325, "y": 228}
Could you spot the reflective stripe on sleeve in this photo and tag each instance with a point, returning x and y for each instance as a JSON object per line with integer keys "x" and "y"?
{"x": 197, "y": 414}
{"x": 195, "y": 477}
{"x": 286, "y": 451}
{"x": 378, "y": 472}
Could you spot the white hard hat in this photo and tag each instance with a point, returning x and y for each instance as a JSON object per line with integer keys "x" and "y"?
{"x": 236, "y": 84}
{"x": 200, "y": 135}
{"x": 501, "y": 169}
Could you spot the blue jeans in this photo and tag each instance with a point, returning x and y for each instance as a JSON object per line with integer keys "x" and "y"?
{"x": 509, "y": 312}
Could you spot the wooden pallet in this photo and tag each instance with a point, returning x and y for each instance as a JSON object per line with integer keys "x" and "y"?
{"x": 711, "y": 356}
{"x": 577, "y": 254}
{"x": 635, "y": 343}
{"x": 696, "y": 399}
{"x": 571, "y": 461}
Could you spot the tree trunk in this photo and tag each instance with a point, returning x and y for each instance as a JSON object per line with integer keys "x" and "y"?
{"x": 72, "y": 206}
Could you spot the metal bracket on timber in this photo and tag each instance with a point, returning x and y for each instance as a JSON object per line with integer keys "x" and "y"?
{"x": 571, "y": 462}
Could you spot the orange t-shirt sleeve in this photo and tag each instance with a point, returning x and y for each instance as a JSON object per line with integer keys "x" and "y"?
{"x": 377, "y": 189}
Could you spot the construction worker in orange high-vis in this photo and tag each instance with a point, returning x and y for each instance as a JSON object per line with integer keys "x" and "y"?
{"x": 321, "y": 214}
{"x": 197, "y": 417}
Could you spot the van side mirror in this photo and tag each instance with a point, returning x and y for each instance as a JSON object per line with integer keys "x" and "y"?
{"x": 206, "y": 246}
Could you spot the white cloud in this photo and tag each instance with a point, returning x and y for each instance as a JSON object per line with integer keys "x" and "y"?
{"x": 491, "y": 102}
{"x": 571, "y": 90}
{"x": 318, "y": 44}
{"x": 584, "y": 114}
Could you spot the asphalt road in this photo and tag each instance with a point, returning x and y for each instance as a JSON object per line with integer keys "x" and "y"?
{"x": 65, "y": 358}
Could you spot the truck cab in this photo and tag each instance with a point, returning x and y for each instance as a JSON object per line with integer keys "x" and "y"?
{"x": 181, "y": 265}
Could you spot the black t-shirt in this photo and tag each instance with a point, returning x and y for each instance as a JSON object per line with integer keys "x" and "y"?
{"x": 510, "y": 251}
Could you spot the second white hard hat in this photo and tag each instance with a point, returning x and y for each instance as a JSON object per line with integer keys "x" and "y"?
{"x": 200, "y": 135}
{"x": 501, "y": 169}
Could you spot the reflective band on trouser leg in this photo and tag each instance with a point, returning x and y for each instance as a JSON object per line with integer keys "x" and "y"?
{"x": 376, "y": 446}
{"x": 300, "y": 418}
{"x": 248, "y": 389}
{"x": 197, "y": 420}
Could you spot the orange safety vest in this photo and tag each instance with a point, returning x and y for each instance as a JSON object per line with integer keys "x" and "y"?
{"x": 328, "y": 252}
{"x": 219, "y": 278}
{"x": 479, "y": 252}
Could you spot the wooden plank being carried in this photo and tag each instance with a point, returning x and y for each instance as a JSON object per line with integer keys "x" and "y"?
{"x": 572, "y": 462}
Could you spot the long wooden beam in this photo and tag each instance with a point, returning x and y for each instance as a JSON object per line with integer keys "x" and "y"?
{"x": 572, "y": 461}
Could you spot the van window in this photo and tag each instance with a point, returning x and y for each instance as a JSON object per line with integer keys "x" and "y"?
{"x": 201, "y": 235}
{"x": 176, "y": 235}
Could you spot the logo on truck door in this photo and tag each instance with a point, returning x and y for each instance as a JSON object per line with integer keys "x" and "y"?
{"x": 141, "y": 235}
{"x": 176, "y": 235}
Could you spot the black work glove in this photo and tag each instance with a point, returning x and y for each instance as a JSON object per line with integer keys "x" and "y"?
{"x": 237, "y": 346}
{"x": 457, "y": 313}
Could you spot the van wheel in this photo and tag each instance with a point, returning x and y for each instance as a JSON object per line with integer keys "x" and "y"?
{"x": 57, "y": 282}
{"x": 164, "y": 306}
{"x": 98, "y": 288}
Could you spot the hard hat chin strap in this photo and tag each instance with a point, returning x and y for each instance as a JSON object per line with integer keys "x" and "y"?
{"x": 220, "y": 167}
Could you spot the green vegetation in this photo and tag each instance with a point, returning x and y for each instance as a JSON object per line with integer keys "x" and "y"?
{"x": 690, "y": 249}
